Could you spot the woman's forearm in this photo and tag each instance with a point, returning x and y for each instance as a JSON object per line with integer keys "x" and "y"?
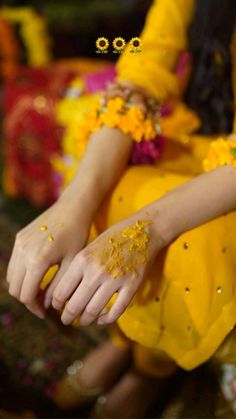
{"x": 103, "y": 163}
{"x": 199, "y": 200}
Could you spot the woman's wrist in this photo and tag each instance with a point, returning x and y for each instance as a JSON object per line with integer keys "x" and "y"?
{"x": 163, "y": 229}
{"x": 169, "y": 217}
{"x": 102, "y": 165}
{"x": 82, "y": 199}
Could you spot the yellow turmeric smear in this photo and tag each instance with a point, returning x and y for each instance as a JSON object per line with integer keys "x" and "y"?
{"x": 124, "y": 251}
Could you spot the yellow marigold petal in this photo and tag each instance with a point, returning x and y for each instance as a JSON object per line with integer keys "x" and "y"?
{"x": 115, "y": 105}
{"x": 219, "y": 154}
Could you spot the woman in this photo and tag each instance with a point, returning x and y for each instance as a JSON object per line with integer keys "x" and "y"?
{"x": 163, "y": 263}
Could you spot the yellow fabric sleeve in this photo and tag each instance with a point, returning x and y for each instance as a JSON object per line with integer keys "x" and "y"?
{"x": 233, "y": 53}
{"x": 164, "y": 36}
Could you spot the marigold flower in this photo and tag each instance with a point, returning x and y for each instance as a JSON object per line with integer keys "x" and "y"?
{"x": 221, "y": 152}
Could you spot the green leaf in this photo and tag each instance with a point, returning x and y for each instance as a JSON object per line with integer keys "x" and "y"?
{"x": 233, "y": 152}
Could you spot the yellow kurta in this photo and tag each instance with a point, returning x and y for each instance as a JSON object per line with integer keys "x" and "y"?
{"x": 187, "y": 305}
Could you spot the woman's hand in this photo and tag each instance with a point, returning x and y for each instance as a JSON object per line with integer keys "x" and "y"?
{"x": 52, "y": 238}
{"x": 88, "y": 284}
{"x": 116, "y": 262}
{"x": 68, "y": 221}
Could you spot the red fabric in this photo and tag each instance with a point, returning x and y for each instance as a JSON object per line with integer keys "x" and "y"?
{"x": 31, "y": 132}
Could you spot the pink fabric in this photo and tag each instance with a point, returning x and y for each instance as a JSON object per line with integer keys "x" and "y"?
{"x": 147, "y": 152}
{"x": 97, "y": 81}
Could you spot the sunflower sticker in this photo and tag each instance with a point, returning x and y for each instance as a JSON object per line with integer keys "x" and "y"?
{"x": 119, "y": 45}
{"x": 135, "y": 44}
{"x": 102, "y": 45}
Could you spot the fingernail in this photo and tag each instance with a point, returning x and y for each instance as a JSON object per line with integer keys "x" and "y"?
{"x": 57, "y": 308}
{"x": 65, "y": 319}
{"x": 41, "y": 316}
{"x": 100, "y": 321}
{"x": 56, "y": 305}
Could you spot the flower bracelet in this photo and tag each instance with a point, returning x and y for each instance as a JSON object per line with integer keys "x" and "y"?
{"x": 142, "y": 126}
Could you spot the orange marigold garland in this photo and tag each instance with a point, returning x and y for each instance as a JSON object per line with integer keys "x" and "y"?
{"x": 129, "y": 118}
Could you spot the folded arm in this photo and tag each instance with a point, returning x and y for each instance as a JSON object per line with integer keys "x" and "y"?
{"x": 95, "y": 276}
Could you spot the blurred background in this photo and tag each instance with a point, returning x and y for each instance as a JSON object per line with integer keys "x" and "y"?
{"x": 48, "y": 54}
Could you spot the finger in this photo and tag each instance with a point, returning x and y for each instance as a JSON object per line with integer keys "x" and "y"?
{"x": 123, "y": 299}
{"x": 98, "y": 302}
{"x": 68, "y": 283}
{"x": 39, "y": 259}
{"x": 55, "y": 281}
{"x": 16, "y": 274}
{"x": 80, "y": 299}
{"x": 37, "y": 308}
{"x": 11, "y": 265}
{"x": 37, "y": 311}
{"x": 31, "y": 284}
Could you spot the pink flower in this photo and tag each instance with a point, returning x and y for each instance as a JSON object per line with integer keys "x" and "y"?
{"x": 146, "y": 152}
